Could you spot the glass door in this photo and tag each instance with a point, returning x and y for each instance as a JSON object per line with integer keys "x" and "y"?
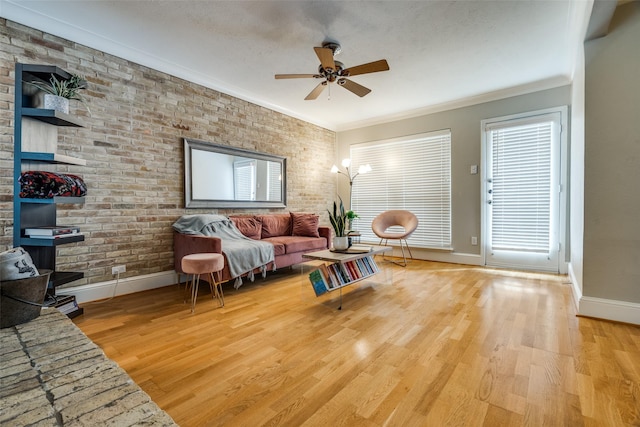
{"x": 522, "y": 192}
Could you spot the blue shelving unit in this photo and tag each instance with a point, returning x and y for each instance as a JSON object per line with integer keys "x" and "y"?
{"x": 40, "y": 212}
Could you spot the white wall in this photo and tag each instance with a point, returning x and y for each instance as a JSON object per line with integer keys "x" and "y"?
{"x": 466, "y": 151}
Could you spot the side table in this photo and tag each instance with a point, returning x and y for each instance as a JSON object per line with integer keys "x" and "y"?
{"x": 344, "y": 269}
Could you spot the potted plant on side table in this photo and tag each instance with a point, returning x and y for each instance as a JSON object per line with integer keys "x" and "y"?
{"x": 338, "y": 219}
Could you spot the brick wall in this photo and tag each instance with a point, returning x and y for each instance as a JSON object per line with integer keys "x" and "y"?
{"x": 132, "y": 141}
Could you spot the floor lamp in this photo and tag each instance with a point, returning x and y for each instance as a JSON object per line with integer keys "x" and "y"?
{"x": 346, "y": 164}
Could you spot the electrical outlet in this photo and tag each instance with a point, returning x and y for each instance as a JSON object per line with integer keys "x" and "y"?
{"x": 118, "y": 269}
{"x": 474, "y": 240}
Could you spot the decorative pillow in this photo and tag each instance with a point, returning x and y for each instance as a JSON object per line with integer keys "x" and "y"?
{"x": 16, "y": 264}
{"x": 305, "y": 224}
{"x": 248, "y": 225}
{"x": 274, "y": 225}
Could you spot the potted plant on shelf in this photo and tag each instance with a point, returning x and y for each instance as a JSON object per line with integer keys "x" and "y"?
{"x": 57, "y": 93}
{"x": 338, "y": 219}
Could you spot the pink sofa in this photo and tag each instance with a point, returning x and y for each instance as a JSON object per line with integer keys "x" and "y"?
{"x": 292, "y": 234}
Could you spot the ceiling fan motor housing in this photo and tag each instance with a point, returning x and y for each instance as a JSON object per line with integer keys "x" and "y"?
{"x": 335, "y": 47}
{"x": 329, "y": 74}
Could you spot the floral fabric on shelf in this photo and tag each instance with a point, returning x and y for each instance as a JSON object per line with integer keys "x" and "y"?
{"x": 46, "y": 185}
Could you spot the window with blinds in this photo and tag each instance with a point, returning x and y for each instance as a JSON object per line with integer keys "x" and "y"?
{"x": 521, "y": 185}
{"x": 244, "y": 175}
{"x": 274, "y": 178}
{"x": 410, "y": 173}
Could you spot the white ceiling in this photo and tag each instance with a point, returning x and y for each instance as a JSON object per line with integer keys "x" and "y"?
{"x": 441, "y": 54}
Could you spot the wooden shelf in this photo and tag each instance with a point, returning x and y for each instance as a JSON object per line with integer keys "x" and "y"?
{"x": 43, "y": 72}
{"x": 54, "y": 200}
{"x": 58, "y": 278}
{"x": 34, "y": 241}
{"x": 53, "y": 158}
{"x": 53, "y": 117}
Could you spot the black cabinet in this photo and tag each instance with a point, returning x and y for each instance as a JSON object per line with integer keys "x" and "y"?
{"x": 35, "y": 148}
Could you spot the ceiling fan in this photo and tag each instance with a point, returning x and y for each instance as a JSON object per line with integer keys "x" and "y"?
{"x": 333, "y": 71}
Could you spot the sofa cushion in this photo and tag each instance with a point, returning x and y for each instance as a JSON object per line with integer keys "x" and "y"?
{"x": 298, "y": 243}
{"x": 249, "y": 226}
{"x": 304, "y": 224}
{"x": 278, "y": 246}
{"x": 275, "y": 225}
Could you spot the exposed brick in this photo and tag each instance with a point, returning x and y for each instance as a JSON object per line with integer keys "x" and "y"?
{"x": 132, "y": 141}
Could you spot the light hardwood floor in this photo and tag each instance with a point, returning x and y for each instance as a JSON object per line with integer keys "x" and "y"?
{"x": 431, "y": 344}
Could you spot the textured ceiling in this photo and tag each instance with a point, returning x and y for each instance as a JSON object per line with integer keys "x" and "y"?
{"x": 441, "y": 53}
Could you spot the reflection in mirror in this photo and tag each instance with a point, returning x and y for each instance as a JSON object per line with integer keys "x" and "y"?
{"x": 219, "y": 176}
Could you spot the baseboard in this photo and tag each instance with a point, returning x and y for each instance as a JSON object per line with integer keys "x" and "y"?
{"x": 618, "y": 311}
{"x": 127, "y": 285}
{"x": 576, "y": 292}
{"x": 439, "y": 256}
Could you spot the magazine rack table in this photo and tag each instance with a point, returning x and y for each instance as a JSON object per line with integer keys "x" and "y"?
{"x": 345, "y": 269}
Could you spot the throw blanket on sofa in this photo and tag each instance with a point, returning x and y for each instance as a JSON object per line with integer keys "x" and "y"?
{"x": 243, "y": 254}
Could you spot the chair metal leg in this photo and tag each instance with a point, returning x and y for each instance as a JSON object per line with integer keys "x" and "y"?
{"x": 188, "y": 284}
{"x": 212, "y": 286}
{"x": 404, "y": 258}
{"x": 408, "y": 248}
{"x": 216, "y": 289}
{"x": 194, "y": 292}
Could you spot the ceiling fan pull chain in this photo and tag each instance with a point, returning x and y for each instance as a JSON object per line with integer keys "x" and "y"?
{"x": 329, "y": 93}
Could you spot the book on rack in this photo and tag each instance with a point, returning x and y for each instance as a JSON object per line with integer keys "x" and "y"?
{"x": 68, "y": 307}
{"x": 57, "y": 236}
{"x": 362, "y": 267}
{"x": 353, "y": 270}
{"x": 57, "y": 300}
{"x": 361, "y": 249}
{"x": 354, "y": 249}
{"x": 51, "y": 231}
{"x": 318, "y": 282}
{"x": 336, "y": 272}
{"x": 66, "y": 304}
{"x": 330, "y": 278}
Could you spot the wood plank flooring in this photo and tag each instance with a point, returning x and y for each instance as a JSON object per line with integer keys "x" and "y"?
{"x": 431, "y": 344}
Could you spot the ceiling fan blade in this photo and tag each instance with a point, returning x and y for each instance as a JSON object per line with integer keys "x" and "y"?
{"x": 297, "y": 76}
{"x": 316, "y": 91}
{"x": 354, "y": 87}
{"x": 371, "y": 67}
{"x": 325, "y": 55}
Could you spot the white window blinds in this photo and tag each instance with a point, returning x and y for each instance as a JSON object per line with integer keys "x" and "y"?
{"x": 411, "y": 173}
{"x": 274, "y": 177}
{"x": 521, "y": 185}
{"x": 244, "y": 175}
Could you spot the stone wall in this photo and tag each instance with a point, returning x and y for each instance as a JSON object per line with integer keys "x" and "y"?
{"x": 132, "y": 141}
